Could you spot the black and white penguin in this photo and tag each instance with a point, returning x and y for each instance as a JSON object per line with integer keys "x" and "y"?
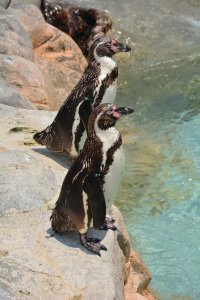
{"x": 98, "y": 82}
{"x": 91, "y": 184}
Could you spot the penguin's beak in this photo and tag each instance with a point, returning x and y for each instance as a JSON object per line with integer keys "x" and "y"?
{"x": 117, "y": 112}
{"x": 124, "y": 110}
{"x": 123, "y": 48}
{"x": 119, "y": 47}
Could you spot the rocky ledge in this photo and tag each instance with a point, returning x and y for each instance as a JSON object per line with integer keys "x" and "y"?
{"x": 30, "y": 254}
{"x": 39, "y": 65}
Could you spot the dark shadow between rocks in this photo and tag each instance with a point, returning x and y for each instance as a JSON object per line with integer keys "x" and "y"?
{"x": 71, "y": 238}
{"x": 60, "y": 158}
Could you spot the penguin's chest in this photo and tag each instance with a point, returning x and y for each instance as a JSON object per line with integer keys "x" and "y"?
{"x": 105, "y": 91}
{"x": 113, "y": 177}
{"x": 110, "y": 93}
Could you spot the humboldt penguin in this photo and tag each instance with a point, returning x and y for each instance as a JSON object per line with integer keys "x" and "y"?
{"x": 91, "y": 183}
{"x": 98, "y": 82}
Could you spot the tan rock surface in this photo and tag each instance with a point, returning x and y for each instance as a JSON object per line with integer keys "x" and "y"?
{"x": 62, "y": 61}
{"x": 27, "y": 80}
{"x": 56, "y": 54}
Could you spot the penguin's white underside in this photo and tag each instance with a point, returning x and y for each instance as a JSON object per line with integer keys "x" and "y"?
{"x": 107, "y": 66}
{"x": 113, "y": 178}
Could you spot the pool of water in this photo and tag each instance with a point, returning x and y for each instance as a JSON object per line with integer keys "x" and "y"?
{"x": 160, "y": 193}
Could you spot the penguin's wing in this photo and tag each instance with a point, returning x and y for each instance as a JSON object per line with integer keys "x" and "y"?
{"x": 93, "y": 188}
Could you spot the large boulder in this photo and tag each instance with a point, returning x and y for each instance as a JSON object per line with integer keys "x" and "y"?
{"x": 27, "y": 80}
{"x": 62, "y": 61}
{"x": 33, "y": 22}
{"x": 14, "y": 38}
{"x": 56, "y": 54}
{"x": 10, "y": 96}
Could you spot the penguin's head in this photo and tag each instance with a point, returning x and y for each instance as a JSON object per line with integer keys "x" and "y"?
{"x": 107, "y": 47}
{"x": 106, "y": 115}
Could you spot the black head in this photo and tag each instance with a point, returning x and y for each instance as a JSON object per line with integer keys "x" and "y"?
{"x": 107, "y": 47}
{"x": 106, "y": 115}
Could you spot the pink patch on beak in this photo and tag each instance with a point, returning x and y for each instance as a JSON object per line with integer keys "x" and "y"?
{"x": 113, "y": 46}
{"x": 116, "y": 114}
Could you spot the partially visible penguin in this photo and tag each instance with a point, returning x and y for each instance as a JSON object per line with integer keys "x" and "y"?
{"x": 91, "y": 184}
{"x": 97, "y": 83}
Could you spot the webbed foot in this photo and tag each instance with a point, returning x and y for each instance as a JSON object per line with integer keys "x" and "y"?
{"x": 108, "y": 224}
{"x": 92, "y": 244}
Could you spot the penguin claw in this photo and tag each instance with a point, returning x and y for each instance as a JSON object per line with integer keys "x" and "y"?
{"x": 92, "y": 244}
{"x": 109, "y": 219}
{"x": 108, "y": 224}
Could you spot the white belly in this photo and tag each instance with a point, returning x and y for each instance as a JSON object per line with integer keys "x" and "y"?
{"x": 110, "y": 94}
{"x": 113, "y": 177}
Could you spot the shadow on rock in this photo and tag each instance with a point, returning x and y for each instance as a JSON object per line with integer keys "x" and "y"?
{"x": 71, "y": 238}
{"x": 60, "y": 158}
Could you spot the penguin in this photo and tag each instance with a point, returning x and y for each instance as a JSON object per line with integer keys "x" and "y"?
{"x": 91, "y": 184}
{"x": 84, "y": 25}
{"x": 98, "y": 82}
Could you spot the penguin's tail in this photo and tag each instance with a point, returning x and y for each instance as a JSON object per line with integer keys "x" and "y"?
{"x": 61, "y": 223}
{"x": 41, "y": 136}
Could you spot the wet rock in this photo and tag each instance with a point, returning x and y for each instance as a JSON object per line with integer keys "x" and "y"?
{"x": 14, "y": 39}
{"x": 83, "y": 25}
{"x": 139, "y": 277}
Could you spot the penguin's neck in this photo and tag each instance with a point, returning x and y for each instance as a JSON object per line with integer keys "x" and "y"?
{"x": 108, "y": 137}
{"x": 105, "y": 63}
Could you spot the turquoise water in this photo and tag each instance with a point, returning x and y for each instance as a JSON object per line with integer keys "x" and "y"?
{"x": 160, "y": 193}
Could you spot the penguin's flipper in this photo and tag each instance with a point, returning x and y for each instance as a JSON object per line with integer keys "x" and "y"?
{"x": 93, "y": 187}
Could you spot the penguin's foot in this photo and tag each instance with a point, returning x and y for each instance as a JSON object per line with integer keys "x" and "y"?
{"x": 108, "y": 224}
{"x": 92, "y": 244}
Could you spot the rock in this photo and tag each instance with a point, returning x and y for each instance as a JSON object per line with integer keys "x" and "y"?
{"x": 32, "y": 20}
{"x": 23, "y": 194}
{"x": 62, "y": 61}
{"x": 56, "y": 55}
{"x": 82, "y": 24}
{"x": 139, "y": 277}
{"x": 14, "y": 39}
{"x": 10, "y": 96}
{"x": 5, "y": 3}
{"x": 27, "y": 80}
{"x": 34, "y": 2}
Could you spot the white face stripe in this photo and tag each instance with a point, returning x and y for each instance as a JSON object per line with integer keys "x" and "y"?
{"x": 108, "y": 137}
{"x": 95, "y": 51}
{"x": 107, "y": 64}
{"x": 85, "y": 208}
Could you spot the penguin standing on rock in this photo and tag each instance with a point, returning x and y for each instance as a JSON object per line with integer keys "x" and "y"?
{"x": 97, "y": 83}
{"x": 91, "y": 183}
